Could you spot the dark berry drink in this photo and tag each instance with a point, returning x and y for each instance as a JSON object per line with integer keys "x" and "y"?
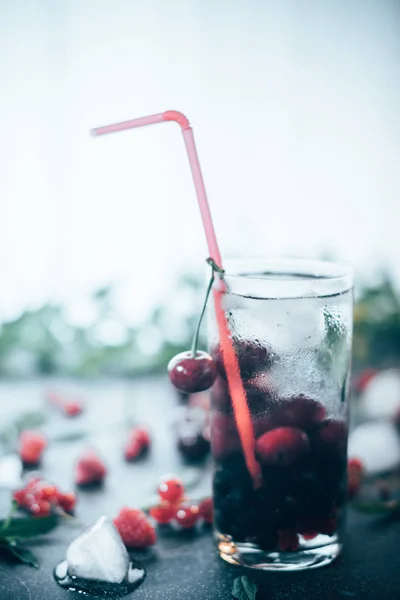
{"x": 294, "y": 355}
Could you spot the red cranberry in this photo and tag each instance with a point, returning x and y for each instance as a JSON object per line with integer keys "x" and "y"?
{"x": 282, "y": 446}
{"x": 192, "y": 374}
{"x": 253, "y": 356}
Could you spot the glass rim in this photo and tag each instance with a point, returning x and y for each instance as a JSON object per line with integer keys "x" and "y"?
{"x": 285, "y": 277}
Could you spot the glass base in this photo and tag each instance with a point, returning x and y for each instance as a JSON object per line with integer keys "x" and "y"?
{"x": 312, "y": 555}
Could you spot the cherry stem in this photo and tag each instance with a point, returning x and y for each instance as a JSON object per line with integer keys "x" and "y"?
{"x": 214, "y": 269}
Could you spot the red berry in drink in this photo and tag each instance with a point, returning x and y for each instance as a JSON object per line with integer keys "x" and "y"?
{"x": 282, "y": 446}
{"x": 163, "y": 513}
{"x": 252, "y": 355}
{"x": 192, "y": 374}
{"x": 330, "y": 436}
{"x": 299, "y": 411}
{"x": 171, "y": 489}
{"x": 187, "y": 515}
{"x": 206, "y": 510}
{"x": 288, "y": 540}
{"x": 225, "y": 439}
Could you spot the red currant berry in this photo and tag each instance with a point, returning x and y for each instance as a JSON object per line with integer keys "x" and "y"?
{"x": 171, "y": 489}
{"x": 163, "y": 513}
{"x": 187, "y": 515}
{"x": 206, "y": 510}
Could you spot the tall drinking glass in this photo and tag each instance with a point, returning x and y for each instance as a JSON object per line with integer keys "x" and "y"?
{"x": 291, "y": 324}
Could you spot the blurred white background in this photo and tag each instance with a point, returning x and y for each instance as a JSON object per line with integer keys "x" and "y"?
{"x": 295, "y": 109}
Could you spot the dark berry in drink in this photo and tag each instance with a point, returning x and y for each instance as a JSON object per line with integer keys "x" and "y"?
{"x": 282, "y": 446}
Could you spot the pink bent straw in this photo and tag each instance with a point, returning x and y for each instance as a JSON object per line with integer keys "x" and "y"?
{"x": 238, "y": 394}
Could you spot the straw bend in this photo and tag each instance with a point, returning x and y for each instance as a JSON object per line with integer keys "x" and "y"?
{"x": 175, "y": 115}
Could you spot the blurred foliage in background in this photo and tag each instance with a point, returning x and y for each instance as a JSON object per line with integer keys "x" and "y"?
{"x": 46, "y": 342}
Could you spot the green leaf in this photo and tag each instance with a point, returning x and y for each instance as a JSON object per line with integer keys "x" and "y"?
{"x": 377, "y": 507}
{"x": 244, "y": 589}
{"x": 21, "y": 554}
{"x": 27, "y": 527}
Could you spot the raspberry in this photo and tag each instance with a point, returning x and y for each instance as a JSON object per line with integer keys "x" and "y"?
{"x": 171, "y": 489}
{"x": 206, "y": 510}
{"x": 138, "y": 443}
{"x": 310, "y": 535}
{"x": 31, "y": 446}
{"x": 187, "y": 515}
{"x": 90, "y": 469}
{"x": 134, "y": 528}
{"x": 163, "y": 513}
{"x": 288, "y": 540}
{"x": 282, "y": 446}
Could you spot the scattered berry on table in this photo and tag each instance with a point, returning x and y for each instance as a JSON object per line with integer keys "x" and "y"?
{"x": 355, "y": 472}
{"x": 31, "y": 447}
{"x": 90, "y": 469}
{"x": 206, "y": 510}
{"x": 134, "y": 528}
{"x": 187, "y": 515}
{"x": 163, "y": 513}
{"x": 40, "y": 497}
{"x": 171, "y": 489}
{"x": 138, "y": 443}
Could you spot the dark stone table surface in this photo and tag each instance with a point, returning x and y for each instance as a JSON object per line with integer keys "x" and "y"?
{"x": 182, "y": 565}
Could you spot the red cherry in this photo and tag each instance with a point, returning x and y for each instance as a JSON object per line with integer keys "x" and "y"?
{"x": 355, "y": 471}
{"x": 171, "y": 489}
{"x": 192, "y": 374}
{"x": 163, "y": 513}
{"x": 282, "y": 446}
{"x": 206, "y": 510}
{"x": 187, "y": 515}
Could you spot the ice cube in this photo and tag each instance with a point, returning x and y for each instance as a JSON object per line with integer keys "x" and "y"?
{"x": 377, "y": 445}
{"x": 382, "y": 395}
{"x": 10, "y": 471}
{"x": 98, "y": 553}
